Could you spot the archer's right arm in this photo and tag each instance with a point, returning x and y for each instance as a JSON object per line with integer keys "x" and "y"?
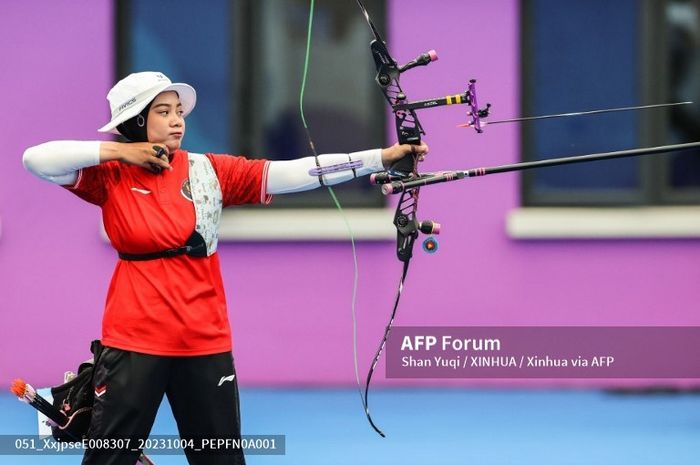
{"x": 60, "y": 161}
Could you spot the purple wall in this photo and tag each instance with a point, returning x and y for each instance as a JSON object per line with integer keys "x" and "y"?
{"x": 54, "y": 268}
{"x": 289, "y": 303}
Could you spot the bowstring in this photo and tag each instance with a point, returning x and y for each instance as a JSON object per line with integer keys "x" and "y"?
{"x": 335, "y": 200}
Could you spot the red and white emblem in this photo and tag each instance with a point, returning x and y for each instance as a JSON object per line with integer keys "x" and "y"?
{"x": 99, "y": 390}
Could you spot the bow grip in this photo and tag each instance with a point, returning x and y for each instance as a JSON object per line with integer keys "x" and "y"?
{"x": 407, "y": 165}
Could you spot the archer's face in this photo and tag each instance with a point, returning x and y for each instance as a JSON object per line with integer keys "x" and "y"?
{"x": 165, "y": 122}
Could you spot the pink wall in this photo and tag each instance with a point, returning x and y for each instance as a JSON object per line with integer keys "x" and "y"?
{"x": 54, "y": 268}
{"x": 289, "y": 303}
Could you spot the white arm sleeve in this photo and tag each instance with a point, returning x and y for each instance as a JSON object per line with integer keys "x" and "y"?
{"x": 59, "y": 161}
{"x": 285, "y": 177}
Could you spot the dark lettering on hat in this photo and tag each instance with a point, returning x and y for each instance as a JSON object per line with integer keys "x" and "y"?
{"x": 126, "y": 104}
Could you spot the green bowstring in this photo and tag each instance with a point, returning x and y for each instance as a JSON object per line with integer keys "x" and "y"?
{"x": 333, "y": 196}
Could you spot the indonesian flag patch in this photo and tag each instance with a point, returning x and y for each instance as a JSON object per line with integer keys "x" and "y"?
{"x": 99, "y": 390}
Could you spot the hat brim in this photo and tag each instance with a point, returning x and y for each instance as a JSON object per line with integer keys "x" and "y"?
{"x": 186, "y": 93}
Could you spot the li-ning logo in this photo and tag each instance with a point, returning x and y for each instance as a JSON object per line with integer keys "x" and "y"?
{"x": 100, "y": 390}
{"x": 226, "y": 378}
{"x": 126, "y": 104}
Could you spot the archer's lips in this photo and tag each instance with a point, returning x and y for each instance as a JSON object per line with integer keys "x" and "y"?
{"x": 177, "y": 135}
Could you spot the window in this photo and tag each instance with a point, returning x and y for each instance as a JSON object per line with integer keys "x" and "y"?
{"x": 599, "y": 54}
{"x": 680, "y": 44}
{"x": 246, "y": 58}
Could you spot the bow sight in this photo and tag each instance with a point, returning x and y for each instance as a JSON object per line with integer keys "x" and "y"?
{"x": 408, "y": 128}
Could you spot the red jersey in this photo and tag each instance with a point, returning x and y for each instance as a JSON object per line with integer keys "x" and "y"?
{"x": 166, "y": 306}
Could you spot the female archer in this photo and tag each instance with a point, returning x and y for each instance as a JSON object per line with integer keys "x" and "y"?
{"x": 165, "y": 327}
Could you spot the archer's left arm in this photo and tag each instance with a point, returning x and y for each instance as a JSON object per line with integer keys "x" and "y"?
{"x": 285, "y": 177}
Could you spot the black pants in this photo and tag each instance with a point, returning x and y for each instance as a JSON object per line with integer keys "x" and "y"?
{"x": 129, "y": 388}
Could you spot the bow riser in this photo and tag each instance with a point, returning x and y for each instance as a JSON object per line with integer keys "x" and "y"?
{"x": 406, "y": 224}
{"x": 408, "y": 128}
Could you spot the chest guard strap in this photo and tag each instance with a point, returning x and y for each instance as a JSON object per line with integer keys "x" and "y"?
{"x": 208, "y": 200}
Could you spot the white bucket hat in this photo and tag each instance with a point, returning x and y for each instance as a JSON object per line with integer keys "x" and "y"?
{"x": 131, "y": 95}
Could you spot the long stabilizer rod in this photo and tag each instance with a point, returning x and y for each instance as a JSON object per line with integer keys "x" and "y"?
{"x": 434, "y": 178}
